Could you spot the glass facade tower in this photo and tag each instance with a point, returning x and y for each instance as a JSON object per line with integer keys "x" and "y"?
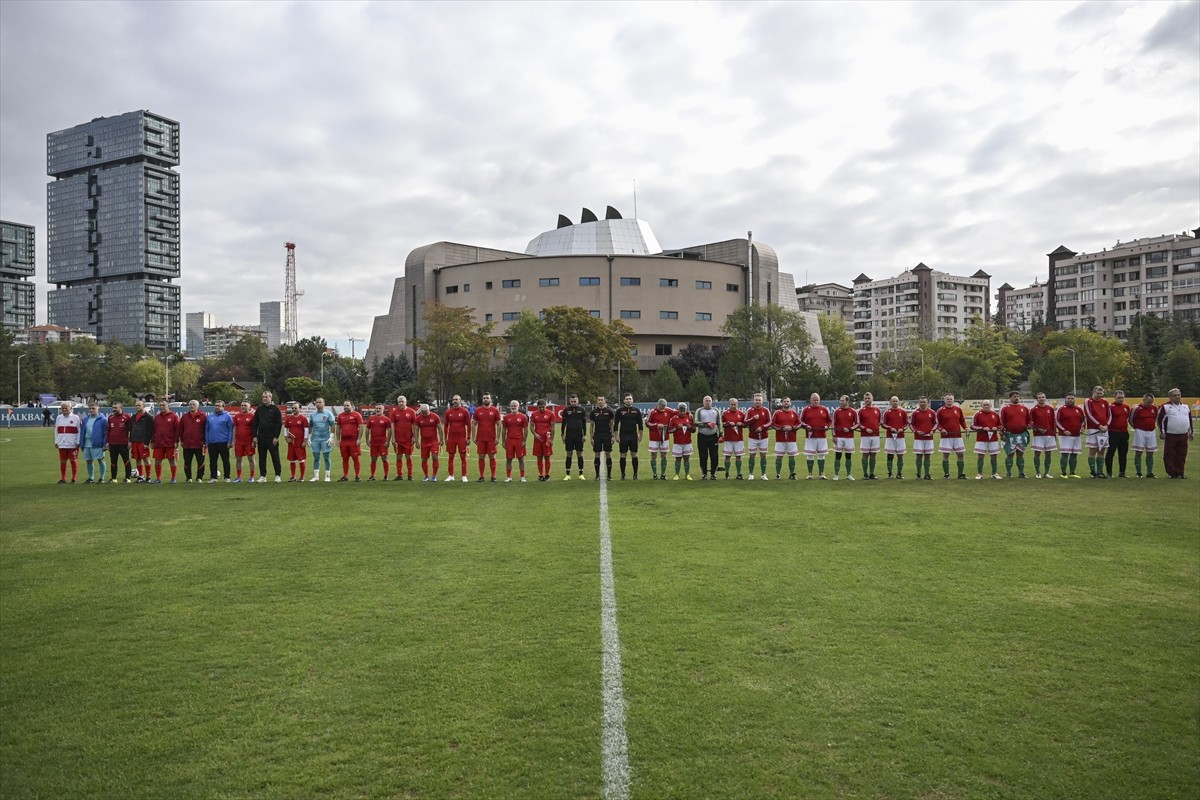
{"x": 112, "y": 235}
{"x": 17, "y": 295}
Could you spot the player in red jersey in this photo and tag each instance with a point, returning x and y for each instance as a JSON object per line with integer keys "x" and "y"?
{"x": 516, "y": 428}
{"x": 1070, "y": 420}
{"x": 349, "y": 436}
{"x": 166, "y": 439}
{"x": 733, "y": 420}
{"x": 543, "y": 420}
{"x": 870, "y": 416}
{"x": 1098, "y": 415}
{"x": 457, "y": 428}
{"x": 243, "y": 439}
{"x": 986, "y": 424}
{"x": 487, "y": 433}
{"x": 1118, "y": 435}
{"x": 895, "y": 422}
{"x": 923, "y": 422}
{"x": 1144, "y": 419}
{"x": 786, "y": 423}
{"x": 379, "y": 439}
{"x": 295, "y": 432}
{"x": 951, "y": 423}
{"x": 816, "y": 419}
{"x": 658, "y": 425}
{"x": 141, "y": 431}
{"x": 404, "y": 435}
{"x": 845, "y": 423}
{"x": 758, "y": 426}
{"x": 1041, "y": 420}
{"x": 429, "y": 426}
{"x": 681, "y": 429}
{"x": 192, "y": 424}
{"x": 1015, "y": 421}
{"x": 118, "y": 440}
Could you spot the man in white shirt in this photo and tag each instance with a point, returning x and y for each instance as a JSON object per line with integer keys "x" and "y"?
{"x": 1175, "y": 422}
{"x": 67, "y": 427}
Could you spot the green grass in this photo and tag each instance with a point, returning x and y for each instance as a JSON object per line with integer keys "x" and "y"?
{"x": 1018, "y": 639}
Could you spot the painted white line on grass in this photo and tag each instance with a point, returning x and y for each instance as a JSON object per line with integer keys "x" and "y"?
{"x": 614, "y": 766}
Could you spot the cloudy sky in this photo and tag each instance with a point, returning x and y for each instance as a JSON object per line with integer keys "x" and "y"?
{"x": 852, "y": 137}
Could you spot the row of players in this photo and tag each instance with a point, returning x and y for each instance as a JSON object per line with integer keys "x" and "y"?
{"x": 1014, "y": 428}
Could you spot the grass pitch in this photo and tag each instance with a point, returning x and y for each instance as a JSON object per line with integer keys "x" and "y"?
{"x": 939, "y": 639}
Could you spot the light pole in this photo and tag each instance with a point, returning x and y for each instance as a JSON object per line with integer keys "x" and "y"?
{"x": 167, "y": 378}
{"x": 1073, "y": 387}
{"x": 19, "y": 378}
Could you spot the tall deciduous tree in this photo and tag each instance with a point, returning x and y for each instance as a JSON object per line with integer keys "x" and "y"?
{"x": 530, "y": 370}
{"x": 665, "y": 384}
{"x": 843, "y": 369}
{"x": 453, "y": 348}
{"x": 696, "y": 358}
{"x": 587, "y": 350}
{"x": 1181, "y": 369}
{"x": 1099, "y": 361}
{"x": 766, "y": 343}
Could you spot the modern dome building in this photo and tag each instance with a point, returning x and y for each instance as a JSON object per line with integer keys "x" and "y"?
{"x": 613, "y": 267}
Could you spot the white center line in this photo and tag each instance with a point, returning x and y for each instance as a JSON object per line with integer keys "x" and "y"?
{"x": 615, "y": 758}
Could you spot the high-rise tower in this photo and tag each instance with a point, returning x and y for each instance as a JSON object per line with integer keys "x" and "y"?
{"x": 17, "y": 303}
{"x": 112, "y": 234}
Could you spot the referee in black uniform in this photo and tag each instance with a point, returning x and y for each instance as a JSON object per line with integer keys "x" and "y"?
{"x": 602, "y": 435}
{"x": 574, "y": 426}
{"x": 629, "y": 424}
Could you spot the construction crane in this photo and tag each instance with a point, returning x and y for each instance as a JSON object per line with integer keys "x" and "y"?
{"x": 353, "y": 339}
{"x": 291, "y": 298}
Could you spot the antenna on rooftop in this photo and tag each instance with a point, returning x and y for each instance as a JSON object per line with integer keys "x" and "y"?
{"x": 291, "y": 298}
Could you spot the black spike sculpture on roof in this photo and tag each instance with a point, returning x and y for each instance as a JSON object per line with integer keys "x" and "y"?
{"x": 612, "y": 213}
{"x": 564, "y": 221}
{"x": 588, "y": 216}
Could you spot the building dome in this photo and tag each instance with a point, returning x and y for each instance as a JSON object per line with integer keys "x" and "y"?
{"x": 613, "y": 236}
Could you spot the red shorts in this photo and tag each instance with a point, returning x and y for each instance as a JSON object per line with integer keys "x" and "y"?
{"x": 68, "y": 454}
{"x": 545, "y": 448}
{"x": 164, "y": 454}
{"x": 350, "y": 449}
{"x": 404, "y": 448}
{"x": 241, "y": 449}
{"x": 487, "y": 448}
{"x": 514, "y": 450}
{"x": 139, "y": 451}
{"x": 456, "y": 446}
{"x": 430, "y": 449}
{"x": 297, "y": 451}
{"x": 379, "y": 450}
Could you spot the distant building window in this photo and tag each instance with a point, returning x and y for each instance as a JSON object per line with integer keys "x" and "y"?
{"x": 509, "y": 316}
{"x": 547, "y": 281}
{"x": 668, "y": 315}
{"x": 589, "y": 281}
{"x": 633, "y": 350}
{"x": 662, "y": 349}
{"x": 487, "y": 317}
{"x": 487, "y": 285}
{"x": 703, "y": 316}
{"x": 732, "y": 287}
{"x": 631, "y": 281}
{"x": 703, "y": 284}
{"x": 595, "y": 313}
{"x": 630, "y": 314}
{"x": 514, "y": 283}
{"x": 451, "y": 290}
{"x": 466, "y": 287}
{"x": 671, "y": 282}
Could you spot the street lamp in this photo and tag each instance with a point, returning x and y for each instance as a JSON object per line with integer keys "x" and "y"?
{"x": 19, "y": 378}
{"x": 1073, "y": 382}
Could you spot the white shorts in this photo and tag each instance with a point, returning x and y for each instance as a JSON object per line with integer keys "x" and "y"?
{"x": 758, "y": 445}
{"x": 1070, "y": 444}
{"x": 1145, "y": 441}
{"x": 786, "y": 448}
{"x": 734, "y": 448}
{"x": 952, "y": 444}
{"x": 816, "y": 447}
{"x": 895, "y": 445}
{"x": 680, "y": 450}
{"x": 843, "y": 444}
{"x": 922, "y": 445}
{"x": 659, "y": 447}
{"x": 869, "y": 444}
{"x": 986, "y": 448}
{"x": 1097, "y": 440}
{"x": 1044, "y": 444}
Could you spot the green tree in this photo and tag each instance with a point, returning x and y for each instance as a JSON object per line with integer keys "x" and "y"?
{"x": 697, "y": 387}
{"x": 843, "y": 368}
{"x": 587, "y": 350}
{"x": 248, "y": 358}
{"x": 391, "y": 377}
{"x": 766, "y": 343}
{"x": 1181, "y": 369}
{"x": 1099, "y": 361}
{"x": 302, "y": 390}
{"x": 8, "y": 369}
{"x": 309, "y": 352}
{"x": 223, "y": 391}
{"x": 453, "y": 348}
{"x": 530, "y": 370}
{"x": 665, "y": 383}
{"x": 119, "y": 394}
{"x": 696, "y": 358}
